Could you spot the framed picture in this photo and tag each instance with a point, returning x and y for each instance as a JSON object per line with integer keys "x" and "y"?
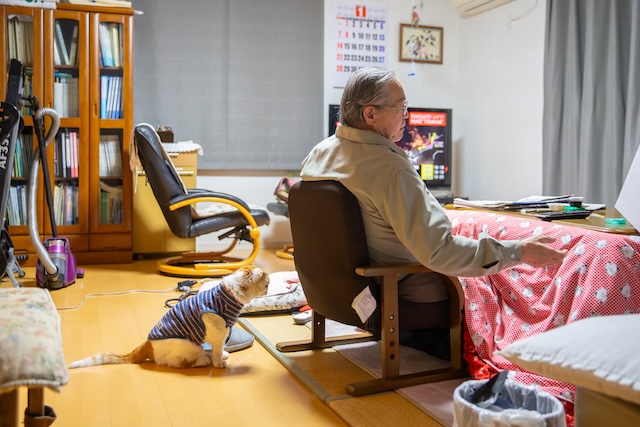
{"x": 421, "y": 44}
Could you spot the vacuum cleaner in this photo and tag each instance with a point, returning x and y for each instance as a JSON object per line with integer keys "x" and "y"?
{"x": 56, "y": 266}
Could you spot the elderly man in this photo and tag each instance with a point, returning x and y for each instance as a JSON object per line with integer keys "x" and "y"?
{"x": 404, "y": 223}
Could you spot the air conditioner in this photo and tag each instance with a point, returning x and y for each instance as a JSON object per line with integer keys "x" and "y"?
{"x": 468, "y": 8}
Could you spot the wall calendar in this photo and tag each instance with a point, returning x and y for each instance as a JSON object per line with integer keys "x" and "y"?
{"x": 360, "y": 34}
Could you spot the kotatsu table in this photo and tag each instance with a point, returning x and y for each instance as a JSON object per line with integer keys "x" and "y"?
{"x": 599, "y": 276}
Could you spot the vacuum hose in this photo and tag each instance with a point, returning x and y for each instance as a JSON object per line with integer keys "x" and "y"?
{"x": 32, "y": 211}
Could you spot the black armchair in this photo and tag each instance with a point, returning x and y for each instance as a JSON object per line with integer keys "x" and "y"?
{"x": 233, "y": 218}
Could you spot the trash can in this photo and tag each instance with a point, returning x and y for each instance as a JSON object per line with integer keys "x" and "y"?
{"x": 514, "y": 405}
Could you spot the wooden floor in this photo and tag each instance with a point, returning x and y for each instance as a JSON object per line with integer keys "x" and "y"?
{"x": 254, "y": 389}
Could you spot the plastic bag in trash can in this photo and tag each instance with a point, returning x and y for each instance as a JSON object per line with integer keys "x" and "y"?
{"x": 513, "y": 404}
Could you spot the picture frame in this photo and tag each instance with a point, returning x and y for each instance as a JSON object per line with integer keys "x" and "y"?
{"x": 421, "y": 44}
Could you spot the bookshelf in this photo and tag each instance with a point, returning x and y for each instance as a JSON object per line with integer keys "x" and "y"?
{"x": 78, "y": 60}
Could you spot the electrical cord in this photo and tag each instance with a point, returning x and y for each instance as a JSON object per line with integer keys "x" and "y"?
{"x": 108, "y": 294}
{"x": 173, "y": 301}
{"x": 185, "y": 286}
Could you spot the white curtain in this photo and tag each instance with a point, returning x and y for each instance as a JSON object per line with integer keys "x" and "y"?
{"x": 591, "y": 121}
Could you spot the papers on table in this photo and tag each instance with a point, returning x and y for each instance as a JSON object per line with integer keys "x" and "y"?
{"x": 485, "y": 204}
{"x": 530, "y": 203}
{"x": 541, "y": 202}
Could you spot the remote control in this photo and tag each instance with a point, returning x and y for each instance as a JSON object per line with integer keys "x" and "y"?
{"x": 572, "y": 214}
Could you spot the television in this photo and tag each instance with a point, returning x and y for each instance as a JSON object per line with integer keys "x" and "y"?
{"x": 427, "y": 142}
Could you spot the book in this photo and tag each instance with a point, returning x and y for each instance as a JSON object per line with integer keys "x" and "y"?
{"x": 11, "y": 32}
{"x": 73, "y": 95}
{"x": 117, "y": 90}
{"x": 56, "y": 54}
{"x": 105, "y": 164}
{"x": 22, "y": 191}
{"x": 73, "y": 50}
{"x": 67, "y": 212}
{"x": 62, "y": 46}
{"x": 74, "y": 154}
{"x": 17, "y": 164}
{"x": 64, "y": 157}
{"x": 110, "y": 95}
{"x": 115, "y": 156}
{"x": 57, "y": 203}
{"x": 114, "y": 33}
{"x": 29, "y": 42}
{"x": 105, "y": 45}
{"x": 104, "y": 90}
{"x": 19, "y": 41}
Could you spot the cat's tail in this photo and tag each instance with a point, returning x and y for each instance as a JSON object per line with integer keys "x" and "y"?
{"x": 141, "y": 354}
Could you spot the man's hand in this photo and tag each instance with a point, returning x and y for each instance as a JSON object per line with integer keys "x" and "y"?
{"x": 536, "y": 253}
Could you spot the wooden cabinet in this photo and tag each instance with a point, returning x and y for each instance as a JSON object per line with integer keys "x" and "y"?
{"x": 78, "y": 60}
{"x": 151, "y": 234}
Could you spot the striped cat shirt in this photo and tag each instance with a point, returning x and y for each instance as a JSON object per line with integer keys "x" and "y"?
{"x": 184, "y": 320}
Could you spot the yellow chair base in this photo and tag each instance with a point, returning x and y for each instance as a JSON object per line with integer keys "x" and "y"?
{"x": 203, "y": 264}
{"x": 286, "y": 253}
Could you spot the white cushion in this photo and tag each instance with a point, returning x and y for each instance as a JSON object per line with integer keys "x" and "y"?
{"x": 599, "y": 353}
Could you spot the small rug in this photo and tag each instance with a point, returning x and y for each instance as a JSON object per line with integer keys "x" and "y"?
{"x": 326, "y": 373}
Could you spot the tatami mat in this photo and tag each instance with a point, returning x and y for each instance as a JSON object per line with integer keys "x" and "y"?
{"x": 326, "y": 373}
{"x": 381, "y": 410}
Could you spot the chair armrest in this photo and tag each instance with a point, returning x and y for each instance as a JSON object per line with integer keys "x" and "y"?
{"x": 199, "y": 196}
{"x": 382, "y": 270}
{"x": 389, "y": 274}
{"x": 212, "y": 197}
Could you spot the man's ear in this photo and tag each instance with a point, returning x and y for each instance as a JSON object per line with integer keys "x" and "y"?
{"x": 369, "y": 114}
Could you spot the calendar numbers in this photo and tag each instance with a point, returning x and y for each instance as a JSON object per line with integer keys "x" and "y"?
{"x": 360, "y": 38}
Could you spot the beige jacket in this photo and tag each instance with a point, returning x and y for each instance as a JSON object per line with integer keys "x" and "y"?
{"x": 404, "y": 222}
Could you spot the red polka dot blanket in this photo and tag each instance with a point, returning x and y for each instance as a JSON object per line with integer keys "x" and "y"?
{"x": 600, "y": 276}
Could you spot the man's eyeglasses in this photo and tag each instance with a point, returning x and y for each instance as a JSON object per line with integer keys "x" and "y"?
{"x": 404, "y": 107}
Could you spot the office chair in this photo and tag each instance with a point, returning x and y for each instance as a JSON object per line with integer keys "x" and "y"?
{"x": 233, "y": 218}
{"x": 332, "y": 261}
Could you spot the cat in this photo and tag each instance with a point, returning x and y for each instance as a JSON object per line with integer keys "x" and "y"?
{"x": 176, "y": 340}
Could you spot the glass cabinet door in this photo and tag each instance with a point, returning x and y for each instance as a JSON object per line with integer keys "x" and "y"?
{"x": 111, "y": 68}
{"x": 66, "y": 94}
{"x": 66, "y": 84}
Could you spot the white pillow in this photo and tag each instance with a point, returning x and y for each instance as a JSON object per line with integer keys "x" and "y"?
{"x": 599, "y": 353}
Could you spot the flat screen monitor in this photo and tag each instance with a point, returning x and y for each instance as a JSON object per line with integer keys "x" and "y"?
{"x": 427, "y": 141}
